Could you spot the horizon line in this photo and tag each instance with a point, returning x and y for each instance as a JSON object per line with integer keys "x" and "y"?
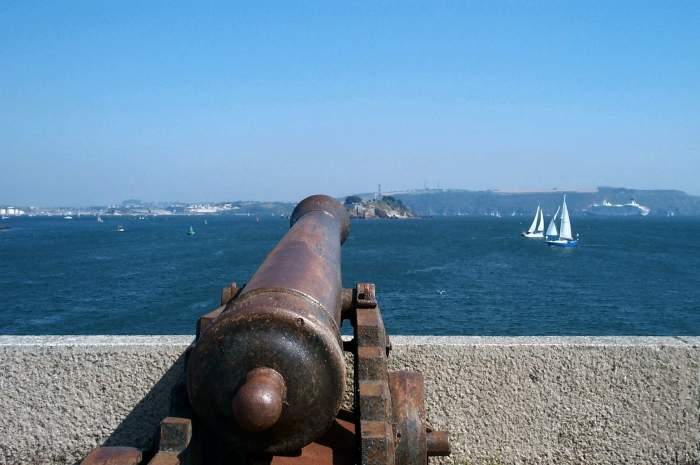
{"x": 550, "y": 190}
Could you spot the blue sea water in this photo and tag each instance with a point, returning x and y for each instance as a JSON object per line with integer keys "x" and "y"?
{"x": 447, "y": 276}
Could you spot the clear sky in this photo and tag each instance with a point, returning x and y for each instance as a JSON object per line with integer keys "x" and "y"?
{"x": 101, "y": 101}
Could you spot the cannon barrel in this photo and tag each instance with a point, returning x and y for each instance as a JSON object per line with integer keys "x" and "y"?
{"x": 268, "y": 374}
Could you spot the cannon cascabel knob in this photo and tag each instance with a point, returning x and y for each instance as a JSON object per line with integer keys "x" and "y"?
{"x": 257, "y": 405}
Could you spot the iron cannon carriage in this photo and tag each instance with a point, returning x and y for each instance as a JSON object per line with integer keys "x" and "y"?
{"x": 265, "y": 378}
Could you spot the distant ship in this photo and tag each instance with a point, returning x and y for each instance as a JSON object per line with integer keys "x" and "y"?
{"x": 536, "y": 229}
{"x": 632, "y": 208}
{"x": 565, "y": 238}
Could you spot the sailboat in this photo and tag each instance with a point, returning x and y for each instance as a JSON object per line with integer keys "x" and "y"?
{"x": 565, "y": 239}
{"x": 536, "y": 229}
{"x": 99, "y": 219}
{"x": 552, "y": 228}
{"x": 191, "y": 232}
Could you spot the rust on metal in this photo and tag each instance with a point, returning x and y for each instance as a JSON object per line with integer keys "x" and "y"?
{"x": 438, "y": 444}
{"x": 347, "y": 297}
{"x": 377, "y": 443}
{"x": 372, "y": 394}
{"x": 336, "y": 447}
{"x": 287, "y": 318}
{"x": 257, "y": 405}
{"x": 228, "y": 293}
{"x": 175, "y": 434}
{"x": 165, "y": 458}
{"x": 366, "y": 295}
{"x": 265, "y": 376}
{"x": 408, "y": 404}
{"x": 370, "y": 325}
{"x": 113, "y": 456}
{"x": 206, "y": 320}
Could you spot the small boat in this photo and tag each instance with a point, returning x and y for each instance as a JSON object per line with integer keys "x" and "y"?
{"x": 3, "y": 217}
{"x": 191, "y": 232}
{"x": 206, "y": 222}
{"x": 120, "y": 228}
{"x": 564, "y": 239}
{"x": 99, "y": 219}
{"x": 67, "y": 217}
{"x": 536, "y": 229}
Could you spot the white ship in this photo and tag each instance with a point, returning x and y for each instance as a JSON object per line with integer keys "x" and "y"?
{"x": 631, "y": 208}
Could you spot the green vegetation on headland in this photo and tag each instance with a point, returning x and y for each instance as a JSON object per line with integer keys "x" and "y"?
{"x": 380, "y": 207}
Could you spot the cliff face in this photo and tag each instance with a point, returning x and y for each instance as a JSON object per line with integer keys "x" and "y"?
{"x": 385, "y": 207}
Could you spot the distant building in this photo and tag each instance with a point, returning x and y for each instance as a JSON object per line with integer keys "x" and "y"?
{"x": 11, "y": 211}
{"x": 202, "y": 208}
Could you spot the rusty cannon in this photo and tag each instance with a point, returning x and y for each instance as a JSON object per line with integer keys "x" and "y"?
{"x": 265, "y": 377}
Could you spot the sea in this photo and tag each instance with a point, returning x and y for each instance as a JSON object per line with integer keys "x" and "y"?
{"x": 434, "y": 276}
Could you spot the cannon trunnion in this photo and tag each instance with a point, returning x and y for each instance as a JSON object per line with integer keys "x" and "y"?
{"x": 265, "y": 376}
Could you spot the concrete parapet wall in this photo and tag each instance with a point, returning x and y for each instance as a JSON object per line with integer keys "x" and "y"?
{"x": 549, "y": 400}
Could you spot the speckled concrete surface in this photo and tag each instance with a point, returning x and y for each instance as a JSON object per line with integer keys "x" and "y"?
{"x": 546, "y": 400}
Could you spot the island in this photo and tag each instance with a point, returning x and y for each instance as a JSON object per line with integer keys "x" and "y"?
{"x": 378, "y": 207}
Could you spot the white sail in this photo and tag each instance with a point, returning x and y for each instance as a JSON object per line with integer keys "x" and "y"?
{"x": 533, "y": 226}
{"x": 540, "y": 224}
{"x": 565, "y": 223}
{"x": 552, "y": 228}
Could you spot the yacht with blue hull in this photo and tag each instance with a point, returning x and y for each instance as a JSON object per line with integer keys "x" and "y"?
{"x": 564, "y": 238}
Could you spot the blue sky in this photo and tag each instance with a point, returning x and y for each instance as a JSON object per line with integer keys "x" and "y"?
{"x": 101, "y": 101}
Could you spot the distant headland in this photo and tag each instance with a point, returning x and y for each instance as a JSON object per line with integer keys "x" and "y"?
{"x": 455, "y": 202}
{"x": 385, "y": 206}
{"x": 603, "y": 201}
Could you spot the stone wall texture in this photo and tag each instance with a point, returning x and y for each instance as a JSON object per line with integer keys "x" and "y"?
{"x": 549, "y": 400}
